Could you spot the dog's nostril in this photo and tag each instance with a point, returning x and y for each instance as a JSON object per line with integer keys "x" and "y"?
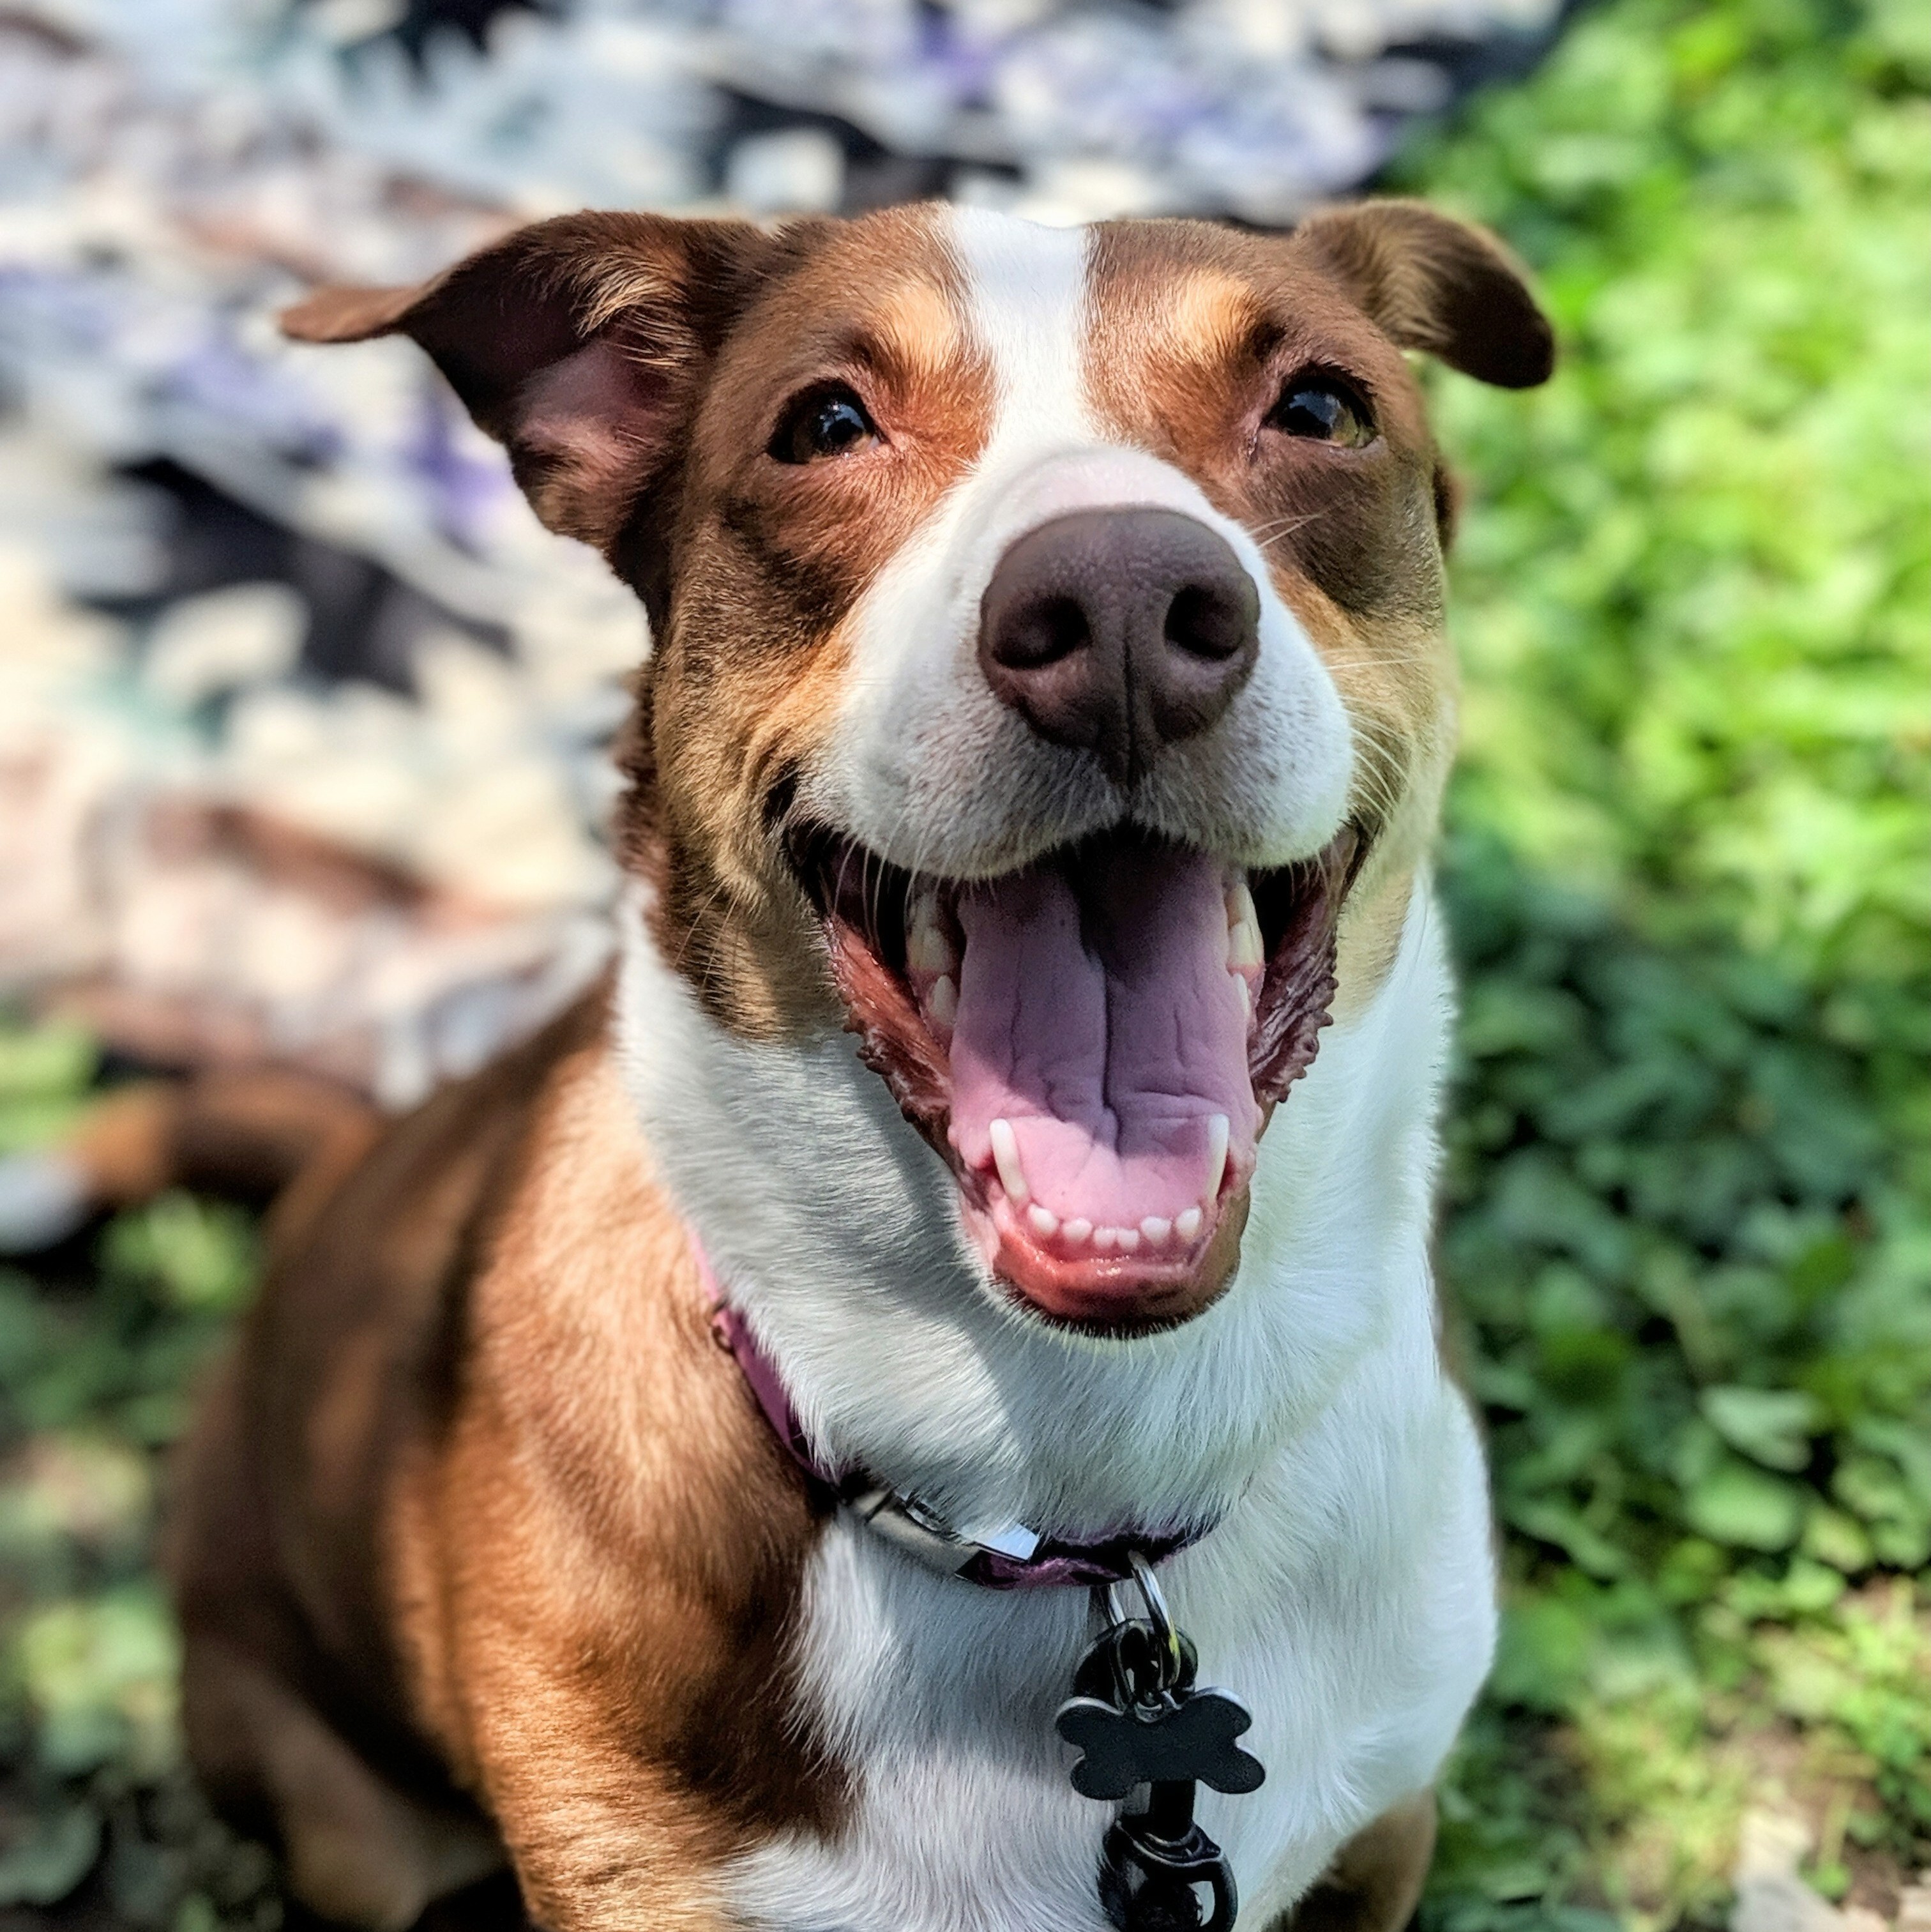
{"x": 1207, "y": 623}
{"x": 1054, "y": 628}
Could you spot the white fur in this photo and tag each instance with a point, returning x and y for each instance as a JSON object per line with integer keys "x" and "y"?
{"x": 1346, "y": 1594}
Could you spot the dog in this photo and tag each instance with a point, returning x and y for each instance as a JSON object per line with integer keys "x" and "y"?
{"x": 691, "y": 1460}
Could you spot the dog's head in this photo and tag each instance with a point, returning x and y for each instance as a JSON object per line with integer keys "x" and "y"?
{"x": 1049, "y": 681}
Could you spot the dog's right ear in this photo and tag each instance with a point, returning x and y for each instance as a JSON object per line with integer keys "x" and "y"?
{"x": 580, "y": 343}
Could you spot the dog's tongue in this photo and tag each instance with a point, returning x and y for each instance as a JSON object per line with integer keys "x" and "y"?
{"x": 1097, "y": 1014}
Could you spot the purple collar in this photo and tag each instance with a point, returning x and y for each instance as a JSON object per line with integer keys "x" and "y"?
{"x": 1005, "y": 1557}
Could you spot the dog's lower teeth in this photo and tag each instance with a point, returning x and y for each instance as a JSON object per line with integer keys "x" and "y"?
{"x": 1156, "y": 1229}
{"x": 1075, "y": 1232}
{"x": 1044, "y": 1220}
{"x": 1186, "y": 1224}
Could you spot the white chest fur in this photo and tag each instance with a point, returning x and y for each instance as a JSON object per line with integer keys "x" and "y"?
{"x": 1346, "y": 1596}
{"x": 1348, "y": 1601}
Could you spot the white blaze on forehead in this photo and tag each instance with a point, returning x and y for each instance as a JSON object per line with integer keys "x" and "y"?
{"x": 1026, "y": 289}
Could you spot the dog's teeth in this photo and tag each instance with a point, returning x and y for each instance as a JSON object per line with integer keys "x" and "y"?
{"x": 942, "y": 1000}
{"x": 1105, "y": 1238}
{"x": 1246, "y": 996}
{"x": 1129, "y": 1239}
{"x": 1044, "y": 1220}
{"x": 1156, "y": 1228}
{"x": 928, "y": 946}
{"x": 1186, "y": 1223}
{"x": 1217, "y": 1127}
{"x": 1076, "y": 1231}
{"x": 1243, "y": 930}
{"x": 1005, "y": 1158}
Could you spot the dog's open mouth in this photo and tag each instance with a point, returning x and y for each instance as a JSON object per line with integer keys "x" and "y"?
{"x": 1094, "y": 1044}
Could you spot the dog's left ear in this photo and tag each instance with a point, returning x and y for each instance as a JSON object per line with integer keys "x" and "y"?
{"x": 1434, "y": 283}
{"x": 580, "y": 343}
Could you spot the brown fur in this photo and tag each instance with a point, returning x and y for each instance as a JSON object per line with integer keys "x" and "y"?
{"x": 1197, "y": 330}
{"x": 751, "y": 666}
{"x": 431, "y": 1521}
{"x": 481, "y": 1543}
{"x": 1373, "y": 1883}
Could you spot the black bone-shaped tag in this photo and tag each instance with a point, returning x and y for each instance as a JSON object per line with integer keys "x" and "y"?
{"x": 1186, "y": 1737}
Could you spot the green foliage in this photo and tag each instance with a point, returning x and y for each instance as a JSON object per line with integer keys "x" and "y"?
{"x": 96, "y": 1373}
{"x": 123, "y": 1355}
{"x": 1689, "y": 1231}
{"x": 43, "y": 1076}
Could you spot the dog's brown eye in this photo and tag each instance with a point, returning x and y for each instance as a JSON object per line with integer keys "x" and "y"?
{"x": 829, "y": 421}
{"x": 1324, "y": 409}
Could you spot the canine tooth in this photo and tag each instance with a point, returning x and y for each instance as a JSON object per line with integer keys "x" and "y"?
{"x": 1244, "y": 951}
{"x": 928, "y": 946}
{"x": 1044, "y": 1220}
{"x": 1005, "y": 1158}
{"x": 1186, "y": 1223}
{"x": 1246, "y": 995}
{"x": 1129, "y": 1239}
{"x": 1156, "y": 1228}
{"x": 1217, "y": 1128}
{"x": 1243, "y": 930}
{"x": 942, "y": 1001}
{"x": 1076, "y": 1231}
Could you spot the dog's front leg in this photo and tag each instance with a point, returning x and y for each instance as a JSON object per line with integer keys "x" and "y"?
{"x": 1374, "y": 1881}
{"x": 609, "y": 1670}
{"x": 602, "y": 1839}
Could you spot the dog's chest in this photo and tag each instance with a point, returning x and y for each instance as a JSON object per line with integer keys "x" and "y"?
{"x": 941, "y": 1698}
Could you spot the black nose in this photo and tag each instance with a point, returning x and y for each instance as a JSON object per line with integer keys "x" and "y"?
{"x": 1119, "y": 631}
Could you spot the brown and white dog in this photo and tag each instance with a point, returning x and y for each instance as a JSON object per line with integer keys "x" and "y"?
{"x": 1030, "y": 1017}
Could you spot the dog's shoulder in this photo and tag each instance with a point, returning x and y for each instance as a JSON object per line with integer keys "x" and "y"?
{"x": 646, "y": 1540}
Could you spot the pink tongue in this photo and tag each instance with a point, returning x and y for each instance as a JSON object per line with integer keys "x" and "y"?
{"x": 1109, "y": 1042}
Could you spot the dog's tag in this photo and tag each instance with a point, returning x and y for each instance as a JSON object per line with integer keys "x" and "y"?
{"x": 1185, "y": 1739}
{"x": 1142, "y": 1727}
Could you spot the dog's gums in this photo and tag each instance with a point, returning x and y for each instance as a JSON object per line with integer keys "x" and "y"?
{"x": 1094, "y": 1045}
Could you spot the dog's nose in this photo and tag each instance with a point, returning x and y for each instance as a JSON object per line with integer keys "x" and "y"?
{"x": 1119, "y": 631}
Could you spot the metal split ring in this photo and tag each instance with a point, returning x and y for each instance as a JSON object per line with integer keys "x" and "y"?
{"x": 1166, "y": 1637}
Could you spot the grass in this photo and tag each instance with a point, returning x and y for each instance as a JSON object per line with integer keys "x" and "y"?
{"x": 1689, "y": 1213}
{"x": 1688, "y": 1216}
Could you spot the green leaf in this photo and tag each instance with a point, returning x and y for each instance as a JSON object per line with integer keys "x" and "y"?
{"x": 1772, "y": 1427}
{"x": 1741, "y": 1507}
{"x": 100, "y": 1678}
{"x": 50, "y": 1861}
{"x": 193, "y": 1254}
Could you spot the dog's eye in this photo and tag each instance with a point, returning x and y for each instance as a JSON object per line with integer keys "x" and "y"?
{"x": 1324, "y": 409}
{"x": 830, "y": 421}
